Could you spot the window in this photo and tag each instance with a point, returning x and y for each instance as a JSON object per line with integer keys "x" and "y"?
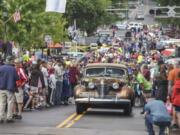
{"x": 115, "y": 71}
{"x": 95, "y": 71}
{"x": 109, "y": 71}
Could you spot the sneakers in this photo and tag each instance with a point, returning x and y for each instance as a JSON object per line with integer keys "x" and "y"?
{"x": 1, "y": 121}
{"x": 18, "y": 117}
{"x": 142, "y": 112}
{"x": 174, "y": 127}
{"x": 66, "y": 103}
{"x": 10, "y": 121}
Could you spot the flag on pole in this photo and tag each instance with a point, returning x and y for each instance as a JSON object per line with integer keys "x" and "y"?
{"x": 56, "y": 6}
{"x": 17, "y": 16}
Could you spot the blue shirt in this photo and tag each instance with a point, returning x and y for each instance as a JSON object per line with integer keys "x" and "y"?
{"x": 158, "y": 111}
{"x": 8, "y": 78}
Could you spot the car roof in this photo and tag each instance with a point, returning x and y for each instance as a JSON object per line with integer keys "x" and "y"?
{"x": 105, "y": 65}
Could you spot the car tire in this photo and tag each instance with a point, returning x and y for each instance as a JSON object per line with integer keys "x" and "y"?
{"x": 128, "y": 110}
{"x": 80, "y": 108}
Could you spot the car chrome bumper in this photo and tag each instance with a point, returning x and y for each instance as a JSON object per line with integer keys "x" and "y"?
{"x": 102, "y": 101}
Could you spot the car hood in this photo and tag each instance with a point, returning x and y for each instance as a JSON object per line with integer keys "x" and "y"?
{"x": 105, "y": 80}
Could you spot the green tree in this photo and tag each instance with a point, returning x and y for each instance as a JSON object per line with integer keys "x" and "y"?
{"x": 168, "y": 2}
{"x": 89, "y": 14}
{"x": 35, "y": 23}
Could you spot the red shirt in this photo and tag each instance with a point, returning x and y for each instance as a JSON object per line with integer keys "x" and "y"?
{"x": 22, "y": 77}
{"x": 73, "y": 74}
{"x": 176, "y": 93}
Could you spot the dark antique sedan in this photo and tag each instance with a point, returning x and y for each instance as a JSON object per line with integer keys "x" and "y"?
{"x": 104, "y": 85}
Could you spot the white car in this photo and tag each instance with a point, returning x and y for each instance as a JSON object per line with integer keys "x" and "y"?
{"x": 93, "y": 46}
{"x": 121, "y": 25}
{"x": 139, "y": 17}
{"x": 134, "y": 25}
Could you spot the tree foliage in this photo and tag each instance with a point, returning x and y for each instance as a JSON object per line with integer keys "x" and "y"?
{"x": 89, "y": 14}
{"x": 35, "y": 23}
{"x": 168, "y": 2}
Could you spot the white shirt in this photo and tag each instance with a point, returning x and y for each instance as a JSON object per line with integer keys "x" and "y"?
{"x": 58, "y": 72}
{"x": 52, "y": 80}
{"x": 45, "y": 74}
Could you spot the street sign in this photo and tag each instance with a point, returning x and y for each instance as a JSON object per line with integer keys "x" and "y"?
{"x": 169, "y": 12}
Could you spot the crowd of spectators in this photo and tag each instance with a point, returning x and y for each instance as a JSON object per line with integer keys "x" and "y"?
{"x": 39, "y": 83}
{"x": 36, "y": 85}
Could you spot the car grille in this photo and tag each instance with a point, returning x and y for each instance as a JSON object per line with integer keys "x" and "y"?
{"x": 103, "y": 90}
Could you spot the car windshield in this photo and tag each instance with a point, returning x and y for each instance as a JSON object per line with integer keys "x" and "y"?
{"x": 109, "y": 71}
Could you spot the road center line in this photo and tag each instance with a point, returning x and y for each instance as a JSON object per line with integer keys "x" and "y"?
{"x": 66, "y": 121}
{"x": 77, "y": 118}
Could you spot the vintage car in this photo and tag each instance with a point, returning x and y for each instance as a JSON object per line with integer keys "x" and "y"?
{"x": 104, "y": 85}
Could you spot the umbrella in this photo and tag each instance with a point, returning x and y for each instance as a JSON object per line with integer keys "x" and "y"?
{"x": 168, "y": 52}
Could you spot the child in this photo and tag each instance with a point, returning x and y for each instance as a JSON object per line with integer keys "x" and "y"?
{"x": 52, "y": 84}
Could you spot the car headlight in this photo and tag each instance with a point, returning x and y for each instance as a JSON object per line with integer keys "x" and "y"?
{"x": 115, "y": 85}
{"x": 91, "y": 85}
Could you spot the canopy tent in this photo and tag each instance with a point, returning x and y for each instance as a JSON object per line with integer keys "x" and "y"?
{"x": 57, "y": 45}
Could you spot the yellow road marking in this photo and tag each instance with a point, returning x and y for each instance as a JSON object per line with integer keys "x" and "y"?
{"x": 66, "y": 121}
{"x": 71, "y": 120}
{"x": 77, "y": 118}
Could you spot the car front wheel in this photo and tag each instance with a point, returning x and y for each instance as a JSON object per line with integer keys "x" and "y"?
{"x": 80, "y": 108}
{"x": 128, "y": 110}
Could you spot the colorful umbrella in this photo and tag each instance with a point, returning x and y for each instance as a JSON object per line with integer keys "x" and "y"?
{"x": 168, "y": 52}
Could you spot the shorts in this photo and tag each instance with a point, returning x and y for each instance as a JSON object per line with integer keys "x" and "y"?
{"x": 33, "y": 89}
{"x": 177, "y": 108}
{"x": 19, "y": 96}
{"x": 44, "y": 91}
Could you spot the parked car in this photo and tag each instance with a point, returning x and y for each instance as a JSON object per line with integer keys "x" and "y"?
{"x": 134, "y": 25}
{"x": 121, "y": 25}
{"x": 139, "y": 16}
{"x": 93, "y": 46}
{"x": 104, "y": 85}
{"x": 75, "y": 55}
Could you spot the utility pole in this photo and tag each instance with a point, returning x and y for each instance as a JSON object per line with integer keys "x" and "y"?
{"x": 127, "y": 10}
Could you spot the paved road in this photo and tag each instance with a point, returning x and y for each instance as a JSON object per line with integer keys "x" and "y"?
{"x": 64, "y": 121}
{"x": 148, "y": 4}
{"x": 57, "y": 120}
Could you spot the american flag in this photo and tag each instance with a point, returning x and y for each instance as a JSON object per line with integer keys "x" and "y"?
{"x": 17, "y": 16}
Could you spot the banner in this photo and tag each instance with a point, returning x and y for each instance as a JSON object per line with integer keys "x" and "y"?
{"x": 56, "y": 6}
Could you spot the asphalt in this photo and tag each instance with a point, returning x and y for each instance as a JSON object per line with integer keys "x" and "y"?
{"x": 94, "y": 121}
